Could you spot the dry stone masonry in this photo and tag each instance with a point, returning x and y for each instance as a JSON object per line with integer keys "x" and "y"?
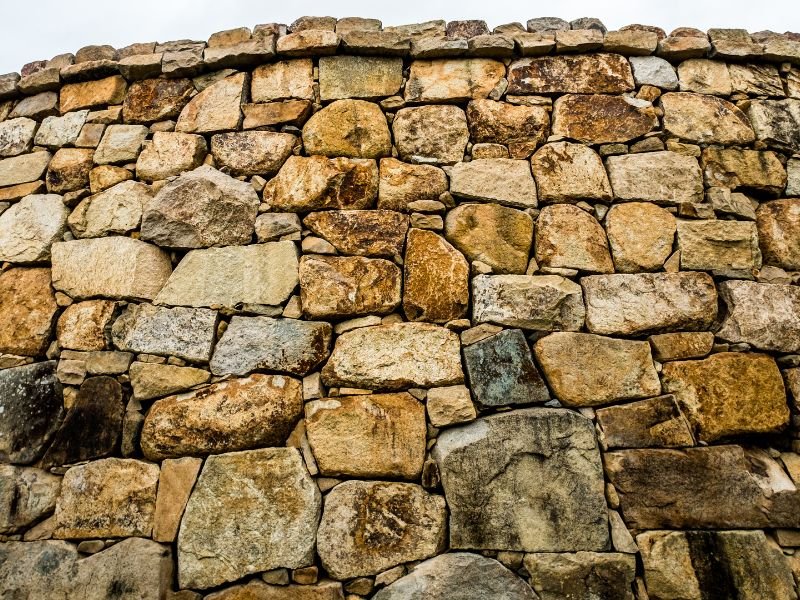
{"x": 345, "y": 311}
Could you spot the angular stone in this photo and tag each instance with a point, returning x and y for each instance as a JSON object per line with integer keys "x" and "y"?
{"x": 582, "y": 575}
{"x": 106, "y": 176}
{"x": 778, "y": 225}
{"x": 755, "y": 79}
{"x": 112, "y": 497}
{"x": 153, "y": 100}
{"x": 288, "y": 345}
{"x": 36, "y": 107}
{"x": 108, "y": 91}
{"x": 187, "y": 333}
{"x": 655, "y": 71}
{"x": 521, "y": 128}
{"x": 361, "y": 232}
{"x": 238, "y": 414}
{"x": 690, "y": 43}
{"x": 272, "y": 227}
{"x": 258, "y": 590}
{"x": 170, "y": 154}
{"x": 283, "y": 80}
{"x": 766, "y": 316}
{"x": 500, "y": 180}
{"x": 581, "y": 74}
{"x": 350, "y": 128}
{"x": 403, "y": 523}
{"x": 115, "y": 210}
{"x": 452, "y": 80}
{"x": 568, "y": 237}
{"x": 117, "y": 267}
{"x": 16, "y": 136}
{"x": 287, "y": 112}
{"x": 26, "y": 495}
{"x": 728, "y": 248}
{"x": 652, "y": 423}
{"x": 704, "y": 77}
{"x": 250, "y": 511}
{"x": 649, "y": 302}
{"x": 307, "y": 183}
{"x": 140, "y": 66}
{"x": 430, "y": 134}
{"x": 401, "y": 183}
{"x": 666, "y": 177}
{"x": 61, "y": 131}
{"x": 17, "y": 192}
{"x": 602, "y": 119}
{"x": 252, "y": 152}
{"x": 25, "y": 168}
{"x": 27, "y": 309}
{"x": 705, "y": 119}
{"x": 503, "y": 480}
{"x": 175, "y": 484}
{"x": 370, "y": 437}
{"x": 199, "y": 209}
{"x": 120, "y": 144}
{"x": 29, "y": 228}
{"x": 308, "y": 42}
{"x": 332, "y": 286}
{"x": 216, "y": 108}
{"x": 590, "y": 370}
{"x": 69, "y": 169}
{"x": 152, "y": 380}
{"x": 395, "y": 356}
{"x": 748, "y": 170}
{"x": 712, "y": 487}
{"x": 776, "y": 122}
{"x": 640, "y": 235}
{"x": 449, "y": 405}
{"x": 359, "y": 77}
{"x": 678, "y": 346}
{"x": 567, "y": 172}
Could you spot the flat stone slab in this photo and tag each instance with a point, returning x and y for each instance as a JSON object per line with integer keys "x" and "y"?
{"x": 652, "y": 423}
{"x": 587, "y": 74}
{"x": 27, "y": 310}
{"x": 664, "y": 177}
{"x": 607, "y": 575}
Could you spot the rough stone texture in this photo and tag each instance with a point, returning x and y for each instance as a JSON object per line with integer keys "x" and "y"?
{"x": 250, "y": 511}
{"x": 16, "y": 136}
{"x": 597, "y": 73}
{"x": 238, "y": 414}
{"x": 350, "y": 128}
{"x": 288, "y": 345}
{"x": 582, "y": 575}
{"x": 436, "y": 279}
{"x": 529, "y": 450}
{"x": 115, "y": 210}
{"x": 85, "y": 325}
{"x": 452, "y": 80}
{"x": 568, "y": 237}
{"x": 778, "y": 224}
{"x": 175, "y": 484}
{"x": 640, "y": 235}
{"x": 216, "y": 108}
{"x": 649, "y": 303}
{"x": 152, "y": 100}
{"x": 677, "y": 346}
{"x": 69, "y": 169}
{"x": 567, "y": 172}
{"x": 724, "y": 247}
{"x": 170, "y": 154}
{"x": 361, "y": 232}
{"x": 602, "y": 119}
{"x": 394, "y": 357}
{"x": 705, "y": 119}
{"x": 500, "y": 180}
{"x": 152, "y": 380}
{"x": 29, "y": 228}
{"x": 369, "y": 527}
{"x": 332, "y": 286}
{"x": 258, "y": 590}
{"x": 777, "y": 122}
{"x": 120, "y": 144}
{"x": 652, "y": 423}
{"x": 666, "y": 177}
{"x": 87, "y": 94}
{"x": 589, "y": 370}
{"x": 401, "y": 183}
{"x": 747, "y": 170}
{"x": 429, "y": 134}
{"x": 24, "y": 168}
{"x": 371, "y": 437}
{"x": 449, "y": 405}
{"x": 55, "y": 132}
{"x": 252, "y": 152}
{"x": 26, "y": 495}
{"x": 763, "y": 315}
{"x": 282, "y": 80}
{"x": 655, "y": 71}
{"x": 359, "y": 77}
{"x": 27, "y": 310}
{"x": 704, "y": 77}
{"x": 520, "y": 128}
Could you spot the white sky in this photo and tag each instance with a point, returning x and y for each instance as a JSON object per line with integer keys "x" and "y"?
{"x": 39, "y": 29}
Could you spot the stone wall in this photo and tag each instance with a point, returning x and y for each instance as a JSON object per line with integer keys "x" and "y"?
{"x": 340, "y": 311}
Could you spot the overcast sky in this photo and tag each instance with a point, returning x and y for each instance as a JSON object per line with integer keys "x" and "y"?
{"x": 39, "y": 29}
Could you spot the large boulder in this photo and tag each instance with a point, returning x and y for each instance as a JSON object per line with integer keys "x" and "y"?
{"x": 216, "y": 108}
{"x": 361, "y": 232}
{"x": 26, "y": 168}
{"x": 169, "y": 154}
{"x": 27, "y": 311}
{"x": 29, "y": 228}
{"x": 282, "y": 80}
{"x": 115, "y": 210}
{"x": 359, "y": 77}
{"x": 652, "y": 423}
{"x": 705, "y": 119}
{"x": 602, "y": 118}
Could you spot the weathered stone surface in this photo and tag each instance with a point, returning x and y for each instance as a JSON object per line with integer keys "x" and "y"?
{"x": 250, "y": 511}
{"x": 725, "y": 247}
{"x": 449, "y": 405}
{"x": 521, "y": 128}
{"x": 501, "y": 371}
{"x": 307, "y": 183}
{"x": 766, "y": 316}
{"x": 112, "y": 497}
{"x": 371, "y": 437}
{"x": 756, "y": 79}
{"x": 778, "y": 225}
{"x": 713, "y": 487}
{"x": 152, "y": 100}
{"x": 480, "y": 462}
{"x": 705, "y": 77}
{"x": 106, "y": 176}
{"x": 748, "y": 170}
{"x": 308, "y": 42}
{"x": 777, "y": 122}
{"x": 640, "y": 235}
{"x": 30, "y": 226}
{"x": 602, "y": 119}
{"x": 348, "y": 286}
{"x": 359, "y": 77}
{"x": 369, "y": 527}
{"x": 216, "y": 108}
{"x": 496, "y": 235}
{"x": 27, "y": 309}
{"x": 201, "y": 208}
{"x": 261, "y": 274}
{"x": 458, "y": 576}
{"x": 26, "y": 495}
{"x": 452, "y": 80}
{"x": 120, "y": 144}
{"x": 350, "y": 128}
{"x": 655, "y": 71}
{"x": 169, "y": 154}
{"x": 272, "y": 227}
{"x": 567, "y": 172}
{"x": 238, "y": 414}
{"x": 652, "y": 423}
{"x": 677, "y": 346}
{"x": 258, "y": 590}
{"x": 589, "y": 370}
{"x": 705, "y": 119}
{"x": 25, "y": 168}
{"x": 286, "y": 112}
{"x": 69, "y": 169}
{"x": 666, "y": 177}
{"x": 153, "y": 380}
{"x": 361, "y": 232}
{"x": 115, "y": 210}
{"x": 282, "y": 80}
{"x": 436, "y": 279}
{"x": 252, "y": 152}
{"x": 401, "y": 183}
{"x": 175, "y": 484}
{"x": 582, "y": 575}
{"x": 74, "y": 96}
{"x": 394, "y": 357}
{"x": 649, "y": 302}
{"x": 694, "y": 564}
{"x": 430, "y": 134}
{"x": 587, "y": 74}
{"x": 500, "y": 180}
{"x": 288, "y": 345}
{"x": 568, "y": 237}
{"x": 16, "y": 136}
{"x": 187, "y": 333}
{"x": 115, "y": 267}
